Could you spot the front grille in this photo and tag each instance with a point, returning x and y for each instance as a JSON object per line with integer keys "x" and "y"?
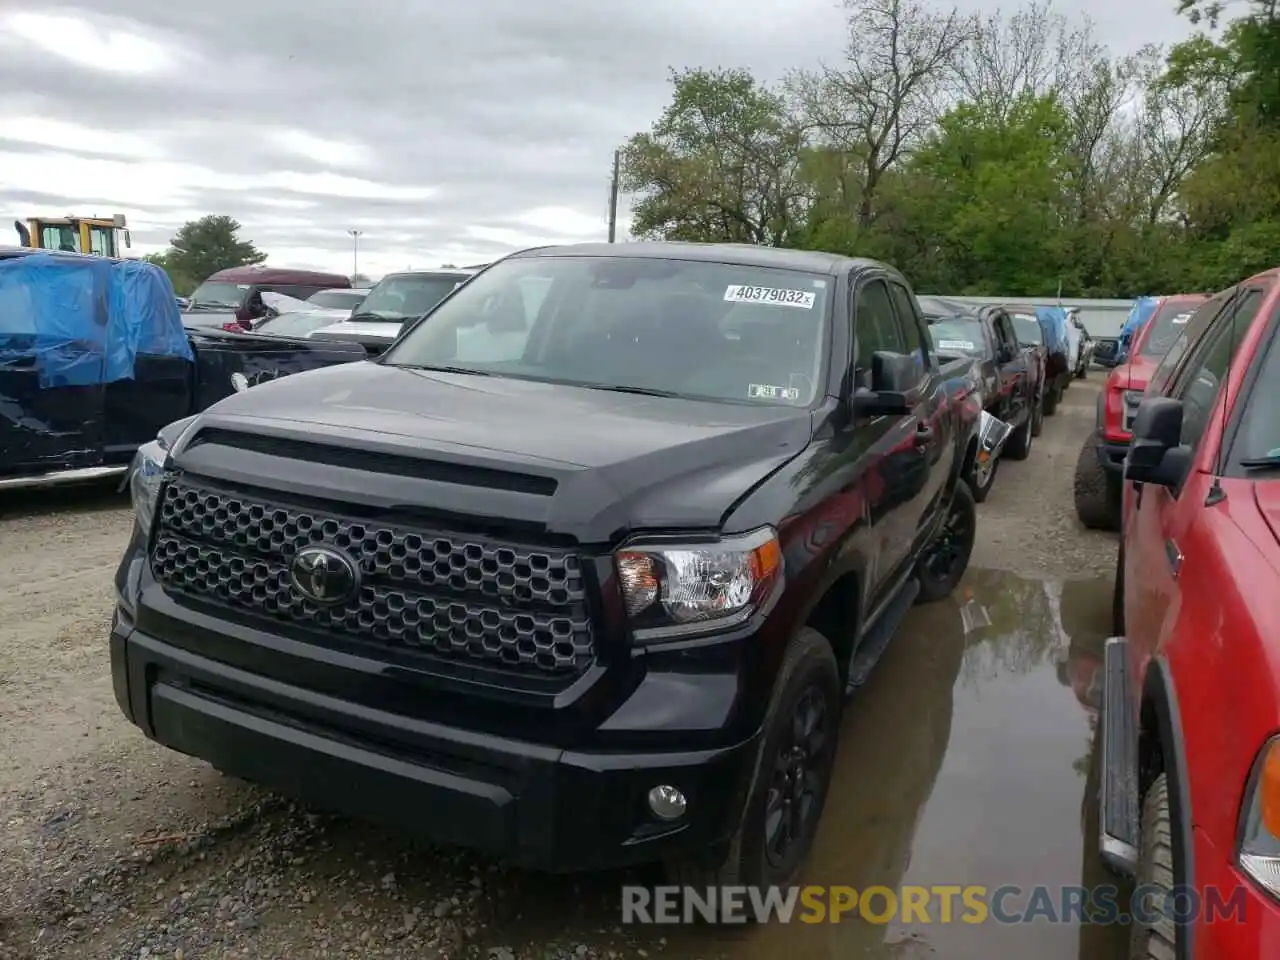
{"x": 422, "y": 591}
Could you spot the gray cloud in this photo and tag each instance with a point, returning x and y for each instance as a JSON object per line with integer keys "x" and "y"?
{"x": 454, "y": 131}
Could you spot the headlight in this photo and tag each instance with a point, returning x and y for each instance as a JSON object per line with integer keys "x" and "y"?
{"x": 676, "y": 589}
{"x": 1259, "y": 854}
{"x": 145, "y": 476}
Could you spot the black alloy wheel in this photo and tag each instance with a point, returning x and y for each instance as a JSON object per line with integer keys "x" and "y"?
{"x": 798, "y": 782}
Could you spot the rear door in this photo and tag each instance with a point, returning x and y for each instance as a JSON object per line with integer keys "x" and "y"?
{"x": 896, "y": 461}
{"x": 1013, "y": 368}
{"x": 935, "y": 436}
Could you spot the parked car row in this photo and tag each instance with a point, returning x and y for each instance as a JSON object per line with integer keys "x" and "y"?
{"x": 1026, "y": 358}
{"x": 1190, "y": 751}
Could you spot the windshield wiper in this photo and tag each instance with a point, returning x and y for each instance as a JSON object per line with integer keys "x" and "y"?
{"x": 365, "y": 315}
{"x": 642, "y": 391}
{"x": 443, "y": 368}
{"x": 1261, "y": 463}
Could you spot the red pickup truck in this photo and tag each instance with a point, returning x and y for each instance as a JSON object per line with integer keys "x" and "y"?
{"x": 1190, "y": 793}
{"x": 1097, "y": 478}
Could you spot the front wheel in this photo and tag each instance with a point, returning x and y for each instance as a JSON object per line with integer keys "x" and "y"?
{"x": 1096, "y": 491}
{"x": 947, "y": 558}
{"x": 982, "y": 477}
{"x": 792, "y": 773}
{"x": 1049, "y": 403}
{"x": 1156, "y": 940}
{"x": 1018, "y": 446}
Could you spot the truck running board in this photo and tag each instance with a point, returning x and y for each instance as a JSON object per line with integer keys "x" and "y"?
{"x": 1119, "y": 821}
{"x": 57, "y": 478}
{"x": 878, "y": 636}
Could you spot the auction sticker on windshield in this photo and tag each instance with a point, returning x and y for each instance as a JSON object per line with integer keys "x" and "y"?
{"x": 956, "y": 345}
{"x": 1181, "y": 318}
{"x": 767, "y": 391}
{"x": 774, "y": 296}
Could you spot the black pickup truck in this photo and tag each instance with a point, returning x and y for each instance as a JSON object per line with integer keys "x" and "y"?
{"x": 1012, "y": 375}
{"x": 590, "y": 600}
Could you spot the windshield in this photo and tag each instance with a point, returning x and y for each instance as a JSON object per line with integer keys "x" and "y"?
{"x": 294, "y": 324}
{"x": 399, "y": 298}
{"x": 692, "y": 329}
{"x": 226, "y": 295}
{"x": 958, "y": 336}
{"x": 1259, "y": 436}
{"x": 1164, "y": 327}
{"x": 337, "y": 299}
{"x": 1027, "y": 329}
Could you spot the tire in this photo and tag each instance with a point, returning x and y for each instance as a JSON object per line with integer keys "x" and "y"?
{"x": 1018, "y": 446}
{"x": 1117, "y": 594}
{"x": 1159, "y": 940}
{"x": 1037, "y": 416}
{"x": 1083, "y": 372}
{"x": 1097, "y": 491}
{"x": 946, "y": 559}
{"x": 1049, "y": 402}
{"x": 982, "y": 489}
{"x": 808, "y": 670}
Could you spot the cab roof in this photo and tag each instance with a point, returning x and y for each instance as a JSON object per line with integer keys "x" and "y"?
{"x": 745, "y": 254}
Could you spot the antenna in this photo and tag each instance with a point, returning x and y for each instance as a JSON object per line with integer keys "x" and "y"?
{"x": 1216, "y": 494}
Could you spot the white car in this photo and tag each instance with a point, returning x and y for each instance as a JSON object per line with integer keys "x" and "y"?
{"x": 395, "y": 298}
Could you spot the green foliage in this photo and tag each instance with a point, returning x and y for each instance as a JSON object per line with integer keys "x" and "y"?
{"x": 1009, "y": 156}
{"x": 203, "y": 247}
{"x": 720, "y": 163}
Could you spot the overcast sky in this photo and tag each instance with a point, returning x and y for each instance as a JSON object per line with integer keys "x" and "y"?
{"x": 445, "y": 132}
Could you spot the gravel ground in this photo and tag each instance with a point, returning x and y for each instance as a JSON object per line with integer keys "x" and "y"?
{"x": 113, "y": 847}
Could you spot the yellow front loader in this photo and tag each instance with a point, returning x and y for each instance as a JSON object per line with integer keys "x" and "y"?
{"x": 93, "y": 235}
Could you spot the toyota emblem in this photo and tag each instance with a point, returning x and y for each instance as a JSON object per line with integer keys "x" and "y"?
{"x": 324, "y": 575}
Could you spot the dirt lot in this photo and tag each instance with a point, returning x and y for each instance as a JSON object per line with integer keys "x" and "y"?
{"x": 113, "y": 847}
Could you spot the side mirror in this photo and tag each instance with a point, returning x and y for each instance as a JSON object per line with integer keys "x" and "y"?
{"x": 892, "y": 376}
{"x": 1157, "y": 454}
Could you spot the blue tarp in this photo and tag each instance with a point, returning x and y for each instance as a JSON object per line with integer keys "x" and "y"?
{"x": 1053, "y": 321}
{"x": 82, "y": 320}
{"x": 1142, "y": 310}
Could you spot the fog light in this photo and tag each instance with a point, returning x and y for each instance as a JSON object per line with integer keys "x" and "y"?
{"x": 667, "y": 803}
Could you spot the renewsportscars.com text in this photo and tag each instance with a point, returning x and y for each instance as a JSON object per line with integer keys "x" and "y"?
{"x": 1103, "y": 904}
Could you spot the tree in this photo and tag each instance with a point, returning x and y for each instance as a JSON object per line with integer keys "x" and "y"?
{"x": 884, "y": 97}
{"x": 205, "y": 246}
{"x": 722, "y": 163}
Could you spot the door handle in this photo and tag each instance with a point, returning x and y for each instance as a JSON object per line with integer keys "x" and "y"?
{"x": 1174, "y": 556}
{"x": 924, "y": 434}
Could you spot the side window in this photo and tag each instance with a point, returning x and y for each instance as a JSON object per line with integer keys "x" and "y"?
{"x": 1192, "y": 333}
{"x": 875, "y": 327}
{"x": 909, "y": 318}
{"x": 1197, "y": 385}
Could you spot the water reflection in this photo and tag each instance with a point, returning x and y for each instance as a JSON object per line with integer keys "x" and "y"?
{"x": 963, "y": 761}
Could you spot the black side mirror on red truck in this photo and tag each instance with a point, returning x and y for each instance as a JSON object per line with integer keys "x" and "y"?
{"x": 1157, "y": 454}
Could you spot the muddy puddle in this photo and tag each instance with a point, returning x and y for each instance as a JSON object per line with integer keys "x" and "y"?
{"x": 966, "y": 760}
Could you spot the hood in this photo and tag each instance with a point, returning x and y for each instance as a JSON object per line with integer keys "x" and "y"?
{"x": 589, "y": 464}
{"x": 1137, "y": 372}
{"x": 371, "y": 329}
{"x": 1267, "y": 496}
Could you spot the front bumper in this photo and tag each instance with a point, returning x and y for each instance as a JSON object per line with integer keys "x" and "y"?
{"x": 1111, "y": 454}
{"x": 535, "y": 805}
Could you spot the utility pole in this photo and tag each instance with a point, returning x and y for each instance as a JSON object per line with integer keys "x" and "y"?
{"x": 355, "y": 254}
{"x": 613, "y": 197}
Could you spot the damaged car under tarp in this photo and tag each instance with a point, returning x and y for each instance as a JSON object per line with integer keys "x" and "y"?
{"x": 94, "y": 360}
